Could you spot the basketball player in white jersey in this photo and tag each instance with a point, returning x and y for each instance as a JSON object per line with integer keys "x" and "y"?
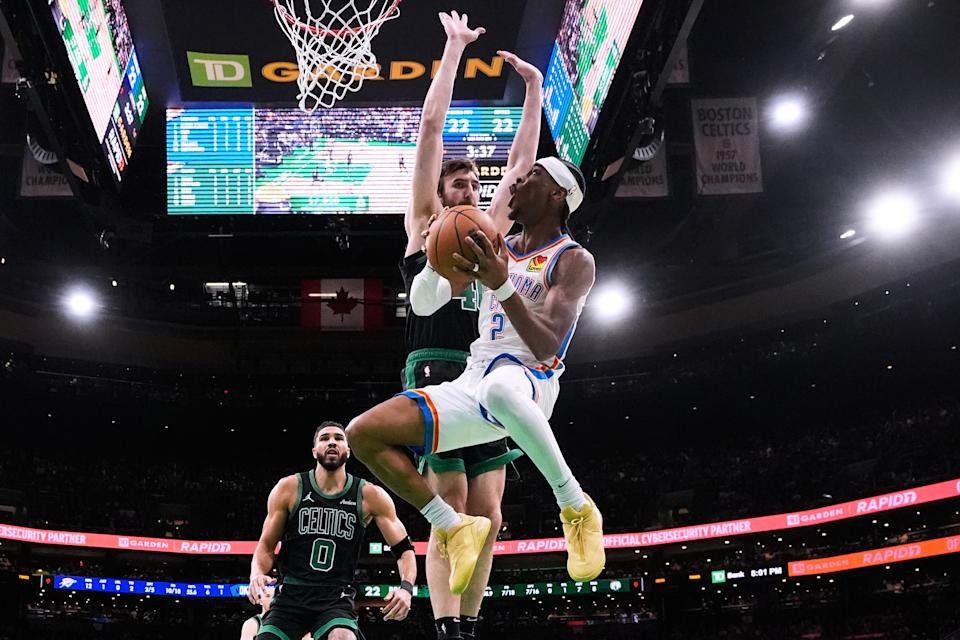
{"x": 534, "y": 289}
{"x": 471, "y": 480}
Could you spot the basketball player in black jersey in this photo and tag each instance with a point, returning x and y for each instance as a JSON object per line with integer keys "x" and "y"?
{"x": 471, "y": 480}
{"x": 321, "y": 516}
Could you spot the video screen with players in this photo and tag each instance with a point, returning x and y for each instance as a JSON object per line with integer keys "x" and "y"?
{"x": 104, "y": 61}
{"x": 253, "y": 161}
{"x": 586, "y": 54}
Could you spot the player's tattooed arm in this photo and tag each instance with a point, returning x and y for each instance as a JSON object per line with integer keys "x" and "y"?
{"x": 424, "y": 200}
{"x": 379, "y": 506}
{"x": 278, "y": 509}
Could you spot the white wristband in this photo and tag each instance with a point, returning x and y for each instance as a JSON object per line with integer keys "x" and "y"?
{"x": 505, "y": 290}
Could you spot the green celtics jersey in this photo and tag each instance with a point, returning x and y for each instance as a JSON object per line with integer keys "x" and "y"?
{"x": 321, "y": 543}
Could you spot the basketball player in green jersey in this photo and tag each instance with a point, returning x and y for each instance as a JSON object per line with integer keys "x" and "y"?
{"x": 321, "y": 515}
{"x": 471, "y": 479}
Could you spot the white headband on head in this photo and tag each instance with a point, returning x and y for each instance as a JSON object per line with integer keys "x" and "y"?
{"x": 565, "y": 178}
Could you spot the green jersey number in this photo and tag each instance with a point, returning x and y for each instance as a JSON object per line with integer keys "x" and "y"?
{"x": 321, "y": 555}
{"x": 470, "y": 298}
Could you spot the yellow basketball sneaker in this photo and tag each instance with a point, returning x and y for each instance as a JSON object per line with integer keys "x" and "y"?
{"x": 461, "y": 545}
{"x": 583, "y": 530}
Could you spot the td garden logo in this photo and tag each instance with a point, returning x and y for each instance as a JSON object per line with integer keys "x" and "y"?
{"x": 233, "y": 70}
{"x": 219, "y": 69}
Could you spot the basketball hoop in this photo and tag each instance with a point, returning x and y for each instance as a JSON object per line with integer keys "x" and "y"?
{"x": 333, "y": 46}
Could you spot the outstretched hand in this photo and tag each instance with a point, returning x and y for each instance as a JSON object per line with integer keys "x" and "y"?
{"x": 457, "y": 30}
{"x": 527, "y": 71}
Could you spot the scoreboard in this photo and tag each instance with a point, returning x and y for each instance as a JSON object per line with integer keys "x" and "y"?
{"x": 121, "y": 586}
{"x": 590, "y": 43}
{"x": 251, "y": 161}
{"x": 100, "y": 48}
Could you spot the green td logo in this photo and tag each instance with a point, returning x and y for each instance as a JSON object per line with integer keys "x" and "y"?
{"x": 718, "y": 577}
{"x": 219, "y": 69}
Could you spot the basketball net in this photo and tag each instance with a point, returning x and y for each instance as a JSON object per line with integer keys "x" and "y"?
{"x": 332, "y": 40}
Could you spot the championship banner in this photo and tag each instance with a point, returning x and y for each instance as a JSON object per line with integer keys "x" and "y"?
{"x": 345, "y": 304}
{"x": 727, "y": 143}
{"x": 831, "y": 513}
{"x": 681, "y": 72}
{"x": 41, "y": 180}
{"x": 875, "y": 557}
{"x": 9, "y": 74}
{"x": 647, "y": 180}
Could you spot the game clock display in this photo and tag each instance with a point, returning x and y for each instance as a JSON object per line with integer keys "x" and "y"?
{"x": 335, "y": 161}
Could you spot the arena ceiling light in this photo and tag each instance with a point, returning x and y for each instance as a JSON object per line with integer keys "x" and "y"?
{"x": 80, "y": 303}
{"x": 788, "y": 113}
{"x": 849, "y": 233}
{"x": 893, "y": 214}
{"x": 611, "y": 301}
{"x": 842, "y": 22}
{"x": 950, "y": 178}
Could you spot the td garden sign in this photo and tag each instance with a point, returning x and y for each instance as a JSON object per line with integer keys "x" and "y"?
{"x": 243, "y": 56}
{"x": 233, "y": 70}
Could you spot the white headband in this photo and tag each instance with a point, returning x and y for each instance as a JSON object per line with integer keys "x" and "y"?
{"x": 565, "y": 178}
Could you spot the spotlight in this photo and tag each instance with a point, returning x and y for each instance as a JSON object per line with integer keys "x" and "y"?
{"x": 612, "y": 301}
{"x": 173, "y": 287}
{"x": 849, "y": 233}
{"x": 788, "y": 113}
{"x": 842, "y": 22}
{"x": 81, "y": 304}
{"x": 114, "y": 283}
{"x": 950, "y": 179}
{"x": 893, "y": 214}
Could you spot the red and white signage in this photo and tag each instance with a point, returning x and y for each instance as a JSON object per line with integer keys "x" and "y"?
{"x": 842, "y": 511}
{"x": 875, "y": 557}
{"x": 342, "y": 304}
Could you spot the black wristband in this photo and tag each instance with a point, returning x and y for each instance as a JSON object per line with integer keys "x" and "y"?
{"x": 407, "y": 586}
{"x": 401, "y": 547}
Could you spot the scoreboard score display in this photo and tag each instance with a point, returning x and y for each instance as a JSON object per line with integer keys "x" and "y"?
{"x": 251, "y": 161}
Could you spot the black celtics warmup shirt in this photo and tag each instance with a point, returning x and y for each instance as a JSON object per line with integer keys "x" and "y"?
{"x": 321, "y": 544}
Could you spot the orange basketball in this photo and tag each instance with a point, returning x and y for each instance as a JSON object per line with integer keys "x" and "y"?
{"x": 447, "y": 235}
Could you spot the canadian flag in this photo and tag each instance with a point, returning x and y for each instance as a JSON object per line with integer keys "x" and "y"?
{"x": 342, "y": 304}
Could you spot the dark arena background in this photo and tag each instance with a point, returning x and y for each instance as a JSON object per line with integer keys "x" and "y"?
{"x": 763, "y": 391}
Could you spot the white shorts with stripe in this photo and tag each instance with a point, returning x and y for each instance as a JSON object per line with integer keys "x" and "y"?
{"x": 453, "y": 415}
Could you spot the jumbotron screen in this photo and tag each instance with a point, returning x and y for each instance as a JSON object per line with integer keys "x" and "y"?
{"x": 586, "y": 54}
{"x": 104, "y": 61}
{"x": 335, "y": 161}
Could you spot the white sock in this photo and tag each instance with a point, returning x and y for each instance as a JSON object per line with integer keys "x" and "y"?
{"x": 569, "y": 494}
{"x": 440, "y": 514}
{"x": 505, "y": 392}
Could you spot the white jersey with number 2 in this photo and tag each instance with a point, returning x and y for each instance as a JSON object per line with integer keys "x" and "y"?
{"x": 531, "y": 276}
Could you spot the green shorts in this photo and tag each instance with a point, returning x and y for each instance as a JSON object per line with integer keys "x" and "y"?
{"x": 318, "y": 610}
{"x": 432, "y": 366}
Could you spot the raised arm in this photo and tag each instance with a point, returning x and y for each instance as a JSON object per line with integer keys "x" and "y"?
{"x": 424, "y": 200}
{"x": 278, "y": 509}
{"x": 379, "y": 506}
{"x": 523, "y": 151}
